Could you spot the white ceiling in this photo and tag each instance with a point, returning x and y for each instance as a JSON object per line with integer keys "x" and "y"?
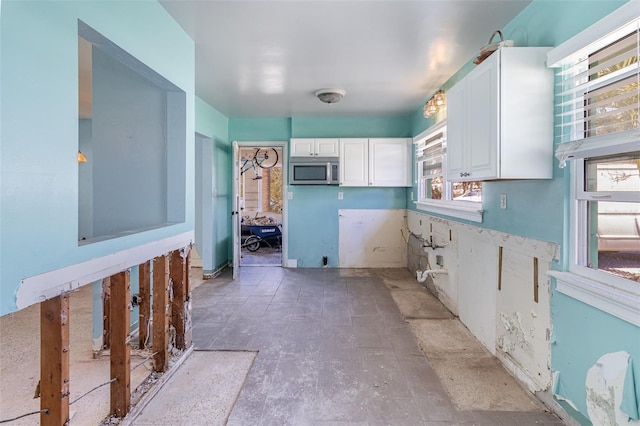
{"x": 259, "y": 59}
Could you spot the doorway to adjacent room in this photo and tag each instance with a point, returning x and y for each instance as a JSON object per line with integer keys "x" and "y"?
{"x": 260, "y": 184}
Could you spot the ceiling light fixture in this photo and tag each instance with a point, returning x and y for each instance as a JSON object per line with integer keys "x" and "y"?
{"x": 435, "y": 104}
{"x": 330, "y": 96}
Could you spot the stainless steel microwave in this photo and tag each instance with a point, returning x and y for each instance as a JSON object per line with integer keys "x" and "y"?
{"x": 313, "y": 171}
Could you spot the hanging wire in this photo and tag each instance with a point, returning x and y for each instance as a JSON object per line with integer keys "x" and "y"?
{"x": 115, "y": 379}
{"x": 46, "y": 411}
{"x": 144, "y": 360}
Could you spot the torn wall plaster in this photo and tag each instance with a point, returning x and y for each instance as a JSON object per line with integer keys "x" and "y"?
{"x": 380, "y": 242}
{"x": 44, "y": 286}
{"x": 522, "y": 331}
{"x": 605, "y": 390}
{"x": 524, "y": 344}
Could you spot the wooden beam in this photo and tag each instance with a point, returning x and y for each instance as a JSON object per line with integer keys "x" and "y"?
{"x": 178, "y": 281}
{"x": 54, "y": 361}
{"x": 188, "y": 328}
{"x": 106, "y": 301}
{"x": 144, "y": 275}
{"x": 161, "y": 313}
{"x": 120, "y": 350}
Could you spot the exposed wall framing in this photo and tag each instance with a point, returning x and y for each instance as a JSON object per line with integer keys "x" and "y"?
{"x": 170, "y": 273}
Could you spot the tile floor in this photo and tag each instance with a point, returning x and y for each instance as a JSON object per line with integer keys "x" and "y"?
{"x": 333, "y": 350}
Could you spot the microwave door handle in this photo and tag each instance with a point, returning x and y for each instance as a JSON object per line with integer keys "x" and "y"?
{"x": 328, "y": 173}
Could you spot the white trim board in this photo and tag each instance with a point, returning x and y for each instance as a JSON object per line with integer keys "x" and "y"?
{"x": 39, "y": 288}
{"x": 611, "y": 300}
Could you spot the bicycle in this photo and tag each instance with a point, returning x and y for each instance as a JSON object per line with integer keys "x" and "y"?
{"x": 264, "y": 158}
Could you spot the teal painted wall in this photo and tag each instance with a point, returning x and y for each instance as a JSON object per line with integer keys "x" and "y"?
{"x": 581, "y": 335}
{"x": 351, "y": 127}
{"x": 263, "y": 129}
{"x": 38, "y": 165}
{"x": 540, "y": 210}
{"x": 215, "y": 126}
{"x": 313, "y": 211}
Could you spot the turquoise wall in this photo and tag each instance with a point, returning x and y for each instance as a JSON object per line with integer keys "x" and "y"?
{"x": 265, "y": 129}
{"x": 313, "y": 210}
{"x": 39, "y": 126}
{"x": 540, "y": 210}
{"x": 215, "y": 126}
{"x": 351, "y": 127}
{"x": 581, "y": 335}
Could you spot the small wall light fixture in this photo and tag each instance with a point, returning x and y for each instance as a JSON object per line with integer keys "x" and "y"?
{"x": 81, "y": 157}
{"x": 435, "y": 104}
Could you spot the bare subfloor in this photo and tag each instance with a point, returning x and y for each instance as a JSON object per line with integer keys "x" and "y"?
{"x": 334, "y": 348}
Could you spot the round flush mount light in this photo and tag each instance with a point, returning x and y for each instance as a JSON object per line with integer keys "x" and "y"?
{"x": 330, "y": 96}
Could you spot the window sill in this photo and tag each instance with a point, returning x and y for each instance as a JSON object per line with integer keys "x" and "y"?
{"x": 459, "y": 209}
{"x": 612, "y": 300}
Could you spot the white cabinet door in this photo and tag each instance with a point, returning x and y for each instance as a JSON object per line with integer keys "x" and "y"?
{"x": 354, "y": 165}
{"x": 482, "y": 120}
{"x": 389, "y": 162}
{"x": 500, "y": 119}
{"x": 326, "y": 147}
{"x": 473, "y": 123}
{"x": 302, "y": 147}
{"x": 456, "y": 132}
{"x": 308, "y": 147}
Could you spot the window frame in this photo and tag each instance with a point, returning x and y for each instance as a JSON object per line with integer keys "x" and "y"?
{"x": 460, "y": 209}
{"x": 612, "y": 294}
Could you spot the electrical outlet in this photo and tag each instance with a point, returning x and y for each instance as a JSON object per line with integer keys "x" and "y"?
{"x": 340, "y": 195}
{"x": 411, "y": 195}
{"x": 289, "y": 195}
{"x": 503, "y": 201}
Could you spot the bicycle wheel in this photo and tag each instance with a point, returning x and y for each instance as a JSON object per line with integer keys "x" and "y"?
{"x": 252, "y": 243}
{"x": 266, "y": 158}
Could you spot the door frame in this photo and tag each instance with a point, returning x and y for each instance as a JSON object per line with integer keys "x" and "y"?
{"x": 284, "y": 145}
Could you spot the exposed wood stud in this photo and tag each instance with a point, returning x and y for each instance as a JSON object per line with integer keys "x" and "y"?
{"x": 177, "y": 272}
{"x": 120, "y": 350}
{"x": 54, "y": 361}
{"x": 500, "y": 268}
{"x": 188, "y": 332}
{"x": 144, "y": 276}
{"x": 160, "y": 313}
{"x": 106, "y": 300}
{"x": 535, "y": 279}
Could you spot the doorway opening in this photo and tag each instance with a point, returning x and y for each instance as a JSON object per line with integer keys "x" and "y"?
{"x": 260, "y": 193}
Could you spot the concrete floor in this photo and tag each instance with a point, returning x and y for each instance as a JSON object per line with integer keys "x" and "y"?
{"x": 335, "y": 349}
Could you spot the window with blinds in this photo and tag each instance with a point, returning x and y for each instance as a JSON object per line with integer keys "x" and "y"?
{"x": 597, "y": 100}
{"x": 430, "y": 157}
{"x": 431, "y": 152}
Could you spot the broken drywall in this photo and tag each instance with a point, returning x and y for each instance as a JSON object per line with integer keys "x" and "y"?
{"x": 606, "y": 391}
{"x": 371, "y": 238}
{"x": 519, "y": 311}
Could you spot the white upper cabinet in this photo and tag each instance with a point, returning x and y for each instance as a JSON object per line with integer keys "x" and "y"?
{"x": 389, "y": 162}
{"x": 354, "y": 162}
{"x": 306, "y": 147}
{"x": 375, "y": 162}
{"x": 500, "y": 118}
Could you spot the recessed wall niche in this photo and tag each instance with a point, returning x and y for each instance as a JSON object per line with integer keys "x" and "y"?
{"x": 132, "y": 130}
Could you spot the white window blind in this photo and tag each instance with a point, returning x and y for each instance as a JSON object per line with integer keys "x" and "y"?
{"x": 597, "y": 93}
{"x": 430, "y": 151}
